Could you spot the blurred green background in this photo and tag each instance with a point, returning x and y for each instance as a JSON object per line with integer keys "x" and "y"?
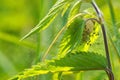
{"x": 18, "y": 17}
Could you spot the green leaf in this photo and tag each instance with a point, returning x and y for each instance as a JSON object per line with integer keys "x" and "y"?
{"x": 65, "y": 8}
{"x": 75, "y": 9}
{"x": 60, "y": 32}
{"x": 80, "y": 34}
{"x": 90, "y": 35}
{"x": 91, "y": 31}
{"x": 79, "y": 61}
{"x": 72, "y": 37}
{"x": 46, "y": 21}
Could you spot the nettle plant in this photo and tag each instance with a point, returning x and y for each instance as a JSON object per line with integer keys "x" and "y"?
{"x": 82, "y": 29}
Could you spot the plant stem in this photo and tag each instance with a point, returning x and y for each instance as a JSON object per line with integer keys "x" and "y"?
{"x": 110, "y": 74}
{"x": 101, "y": 20}
{"x": 106, "y": 46}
